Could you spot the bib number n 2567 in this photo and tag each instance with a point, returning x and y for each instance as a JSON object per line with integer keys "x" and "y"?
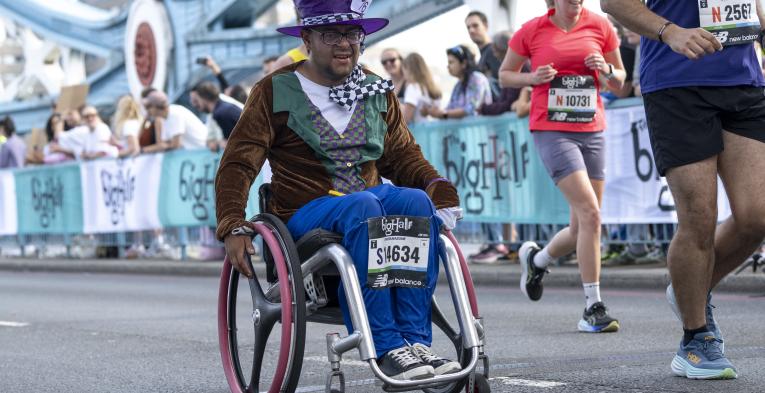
{"x": 733, "y": 22}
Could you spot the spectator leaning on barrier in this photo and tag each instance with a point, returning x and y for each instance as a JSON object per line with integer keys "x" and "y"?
{"x": 148, "y": 133}
{"x": 391, "y": 60}
{"x": 205, "y": 97}
{"x": 127, "y": 125}
{"x": 72, "y": 119}
{"x": 572, "y": 52}
{"x": 89, "y": 141}
{"x": 13, "y": 150}
{"x": 421, "y": 91}
{"x": 513, "y": 99}
{"x": 177, "y": 127}
{"x": 469, "y": 93}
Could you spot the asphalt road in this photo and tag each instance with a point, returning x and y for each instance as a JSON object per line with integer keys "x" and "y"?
{"x": 70, "y": 332}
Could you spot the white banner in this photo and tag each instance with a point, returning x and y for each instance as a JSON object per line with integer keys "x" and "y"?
{"x": 121, "y": 195}
{"x": 8, "y": 217}
{"x": 634, "y": 191}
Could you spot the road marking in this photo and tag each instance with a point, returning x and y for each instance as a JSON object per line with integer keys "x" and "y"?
{"x": 13, "y": 324}
{"x": 528, "y": 382}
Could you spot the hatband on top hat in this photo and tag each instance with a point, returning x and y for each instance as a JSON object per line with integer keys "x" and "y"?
{"x": 334, "y": 12}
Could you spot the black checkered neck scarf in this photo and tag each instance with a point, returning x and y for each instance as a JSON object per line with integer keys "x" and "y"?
{"x": 353, "y": 89}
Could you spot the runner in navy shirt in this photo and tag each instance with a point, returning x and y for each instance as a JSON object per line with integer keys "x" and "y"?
{"x": 705, "y": 107}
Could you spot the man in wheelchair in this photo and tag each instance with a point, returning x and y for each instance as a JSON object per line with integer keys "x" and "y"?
{"x": 330, "y": 130}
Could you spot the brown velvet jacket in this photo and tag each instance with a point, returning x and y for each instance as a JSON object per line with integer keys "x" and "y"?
{"x": 298, "y": 175}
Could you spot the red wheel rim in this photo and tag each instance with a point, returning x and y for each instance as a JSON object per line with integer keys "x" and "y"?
{"x": 466, "y": 274}
{"x": 286, "y": 314}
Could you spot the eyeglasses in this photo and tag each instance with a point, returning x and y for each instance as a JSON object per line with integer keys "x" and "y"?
{"x": 353, "y": 37}
{"x": 392, "y": 60}
{"x": 89, "y": 115}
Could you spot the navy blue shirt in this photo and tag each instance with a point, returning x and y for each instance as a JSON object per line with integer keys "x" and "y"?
{"x": 661, "y": 68}
{"x": 226, "y": 115}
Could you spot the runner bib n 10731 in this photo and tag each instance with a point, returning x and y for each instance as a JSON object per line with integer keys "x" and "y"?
{"x": 398, "y": 251}
{"x": 572, "y": 99}
{"x": 733, "y": 22}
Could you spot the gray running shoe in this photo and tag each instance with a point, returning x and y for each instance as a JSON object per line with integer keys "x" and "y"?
{"x": 711, "y": 322}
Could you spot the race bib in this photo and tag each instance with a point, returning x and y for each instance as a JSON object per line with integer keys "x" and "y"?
{"x": 398, "y": 251}
{"x": 572, "y": 99}
{"x": 733, "y": 22}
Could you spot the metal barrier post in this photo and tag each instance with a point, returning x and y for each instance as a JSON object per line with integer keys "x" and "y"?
{"x": 183, "y": 240}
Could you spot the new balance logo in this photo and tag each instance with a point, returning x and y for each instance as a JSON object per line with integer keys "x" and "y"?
{"x": 381, "y": 281}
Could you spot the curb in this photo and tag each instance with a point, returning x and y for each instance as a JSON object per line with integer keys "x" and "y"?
{"x": 500, "y": 275}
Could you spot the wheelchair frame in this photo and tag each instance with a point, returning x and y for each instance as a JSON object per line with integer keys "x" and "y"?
{"x": 269, "y": 307}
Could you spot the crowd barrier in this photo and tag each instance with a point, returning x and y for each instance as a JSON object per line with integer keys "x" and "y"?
{"x": 491, "y": 161}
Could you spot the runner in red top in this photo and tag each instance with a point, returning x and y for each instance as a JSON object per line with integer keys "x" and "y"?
{"x": 573, "y": 52}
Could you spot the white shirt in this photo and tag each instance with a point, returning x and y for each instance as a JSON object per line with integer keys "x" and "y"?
{"x": 335, "y": 114}
{"x": 418, "y": 97}
{"x": 82, "y": 139}
{"x": 183, "y": 122}
{"x": 129, "y": 128}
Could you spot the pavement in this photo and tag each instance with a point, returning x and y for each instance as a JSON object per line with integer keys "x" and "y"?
{"x": 652, "y": 276}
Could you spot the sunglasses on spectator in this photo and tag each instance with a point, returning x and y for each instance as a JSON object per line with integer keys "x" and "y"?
{"x": 392, "y": 60}
{"x": 89, "y": 115}
{"x": 354, "y": 37}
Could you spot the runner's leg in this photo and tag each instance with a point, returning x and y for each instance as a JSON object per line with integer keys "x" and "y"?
{"x": 691, "y": 252}
{"x": 741, "y": 166}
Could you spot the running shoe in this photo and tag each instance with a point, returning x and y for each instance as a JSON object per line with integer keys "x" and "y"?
{"x": 440, "y": 365}
{"x": 531, "y": 276}
{"x": 402, "y": 363}
{"x": 490, "y": 254}
{"x": 711, "y": 322}
{"x": 596, "y": 320}
{"x": 702, "y": 358}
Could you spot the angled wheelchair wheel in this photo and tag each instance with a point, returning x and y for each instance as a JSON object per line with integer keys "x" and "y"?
{"x": 261, "y": 326}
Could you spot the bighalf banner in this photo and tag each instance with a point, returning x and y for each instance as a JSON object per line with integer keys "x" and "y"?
{"x": 494, "y": 166}
{"x": 8, "y": 217}
{"x": 121, "y": 195}
{"x": 491, "y": 161}
{"x": 108, "y": 196}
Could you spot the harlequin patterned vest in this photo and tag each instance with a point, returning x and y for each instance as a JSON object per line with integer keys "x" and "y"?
{"x": 344, "y": 150}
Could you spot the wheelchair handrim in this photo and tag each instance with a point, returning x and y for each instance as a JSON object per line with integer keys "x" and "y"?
{"x": 287, "y": 334}
{"x": 466, "y": 274}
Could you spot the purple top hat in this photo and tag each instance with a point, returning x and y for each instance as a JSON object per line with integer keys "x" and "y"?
{"x": 334, "y": 12}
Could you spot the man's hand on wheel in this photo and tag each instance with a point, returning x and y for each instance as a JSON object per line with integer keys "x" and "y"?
{"x": 691, "y": 43}
{"x": 236, "y": 246}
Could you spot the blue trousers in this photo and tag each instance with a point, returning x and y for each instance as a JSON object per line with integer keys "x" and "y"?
{"x": 396, "y": 315}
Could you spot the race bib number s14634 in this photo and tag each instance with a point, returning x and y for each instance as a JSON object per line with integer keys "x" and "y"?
{"x": 733, "y": 22}
{"x": 398, "y": 251}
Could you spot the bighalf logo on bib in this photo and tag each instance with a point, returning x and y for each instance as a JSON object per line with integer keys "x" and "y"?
{"x": 573, "y": 81}
{"x": 398, "y": 224}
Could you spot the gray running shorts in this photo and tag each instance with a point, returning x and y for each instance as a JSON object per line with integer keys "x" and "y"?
{"x": 564, "y": 153}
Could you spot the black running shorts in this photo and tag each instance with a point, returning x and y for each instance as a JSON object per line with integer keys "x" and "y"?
{"x": 686, "y": 123}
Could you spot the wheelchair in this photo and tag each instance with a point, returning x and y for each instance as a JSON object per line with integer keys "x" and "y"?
{"x": 300, "y": 280}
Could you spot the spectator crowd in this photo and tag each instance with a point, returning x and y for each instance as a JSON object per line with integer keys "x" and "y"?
{"x": 155, "y": 124}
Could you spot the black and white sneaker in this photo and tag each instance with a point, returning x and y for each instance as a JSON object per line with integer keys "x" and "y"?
{"x": 531, "y": 276}
{"x": 440, "y": 365}
{"x": 402, "y": 363}
{"x": 596, "y": 320}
